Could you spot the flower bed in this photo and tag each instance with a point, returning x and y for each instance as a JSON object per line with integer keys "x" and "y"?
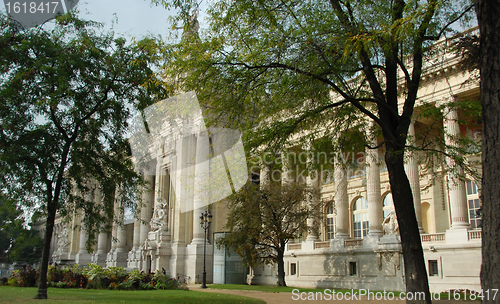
{"x": 95, "y": 277}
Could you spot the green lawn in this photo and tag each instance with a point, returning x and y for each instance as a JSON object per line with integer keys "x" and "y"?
{"x": 57, "y": 295}
{"x": 266, "y": 288}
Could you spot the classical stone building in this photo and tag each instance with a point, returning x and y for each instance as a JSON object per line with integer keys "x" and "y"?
{"x": 358, "y": 244}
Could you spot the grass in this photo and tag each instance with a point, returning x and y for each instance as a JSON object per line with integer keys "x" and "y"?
{"x": 271, "y": 288}
{"x": 58, "y": 295}
{"x": 268, "y": 288}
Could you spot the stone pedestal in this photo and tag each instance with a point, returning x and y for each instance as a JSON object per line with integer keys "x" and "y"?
{"x": 194, "y": 262}
{"x": 457, "y": 236}
{"x": 99, "y": 258}
{"x": 116, "y": 258}
{"x": 82, "y": 258}
{"x": 134, "y": 258}
{"x": 157, "y": 252}
{"x": 178, "y": 259}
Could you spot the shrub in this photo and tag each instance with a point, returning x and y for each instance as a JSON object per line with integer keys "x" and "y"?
{"x": 96, "y": 277}
{"x": 26, "y": 277}
{"x": 146, "y": 286}
{"x": 164, "y": 281}
{"x": 29, "y": 276}
{"x": 12, "y": 282}
{"x": 134, "y": 279}
{"x": 54, "y": 275}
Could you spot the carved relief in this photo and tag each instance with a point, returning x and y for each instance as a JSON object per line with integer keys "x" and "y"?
{"x": 390, "y": 224}
{"x": 160, "y": 216}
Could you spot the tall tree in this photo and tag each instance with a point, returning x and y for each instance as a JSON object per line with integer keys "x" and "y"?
{"x": 261, "y": 221}
{"x": 489, "y": 65}
{"x": 66, "y": 95}
{"x": 11, "y": 227}
{"x": 269, "y": 67}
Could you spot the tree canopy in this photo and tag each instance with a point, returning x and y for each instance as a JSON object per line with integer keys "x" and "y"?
{"x": 261, "y": 221}
{"x": 16, "y": 241}
{"x": 283, "y": 70}
{"x": 66, "y": 94}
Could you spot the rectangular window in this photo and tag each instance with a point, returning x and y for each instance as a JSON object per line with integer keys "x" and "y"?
{"x": 331, "y": 227}
{"x": 433, "y": 268}
{"x": 352, "y": 268}
{"x": 474, "y": 213}
{"x": 474, "y": 205}
{"x": 357, "y": 229}
{"x": 471, "y": 188}
{"x": 293, "y": 268}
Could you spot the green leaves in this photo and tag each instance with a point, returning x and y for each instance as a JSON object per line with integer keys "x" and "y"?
{"x": 66, "y": 95}
{"x": 262, "y": 220}
{"x": 262, "y": 61}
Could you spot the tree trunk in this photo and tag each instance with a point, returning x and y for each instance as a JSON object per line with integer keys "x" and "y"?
{"x": 489, "y": 25}
{"x": 413, "y": 255}
{"x": 49, "y": 229}
{"x": 281, "y": 267}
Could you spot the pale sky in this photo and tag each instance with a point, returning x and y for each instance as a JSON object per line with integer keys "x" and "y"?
{"x": 135, "y": 17}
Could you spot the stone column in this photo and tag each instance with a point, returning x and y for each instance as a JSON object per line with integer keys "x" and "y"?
{"x": 411, "y": 168}
{"x": 265, "y": 175}
{"x": 375, "y": 210}
{"x": 312, "y": 181}
{"x": 114, "y": 229}
{"x": 99, "y": 256}
{"x": 121, "y": 236}
{"x": 134, "y": 255}
{"x": 82, "y": 257}
{"x": 313, "y": 200}
{"x": 137, "y": 234}
{"x": 201, "y": 198}
{"x": 201, "y": 185}
{"x": 341, "y": 201}
{"x": 147, "y": 208}
{"x": 456, "y": 186}
{"x": 117, "y": 257}
{"x": 183, "y": 184}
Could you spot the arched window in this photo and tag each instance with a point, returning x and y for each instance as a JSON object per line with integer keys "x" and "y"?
{"x": 330, "y": 222}
{"x": 474, "y": 204}
{"x": 388, "y": 204}
{"x": 360, "y": 217}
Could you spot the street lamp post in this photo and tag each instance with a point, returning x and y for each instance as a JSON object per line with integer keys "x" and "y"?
{"x": 205, "y": 221}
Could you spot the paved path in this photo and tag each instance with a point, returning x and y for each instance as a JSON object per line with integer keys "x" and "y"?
{"x": 289, "y": 298}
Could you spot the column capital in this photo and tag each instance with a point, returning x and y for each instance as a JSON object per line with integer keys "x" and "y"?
{"x": 445, "y": 101}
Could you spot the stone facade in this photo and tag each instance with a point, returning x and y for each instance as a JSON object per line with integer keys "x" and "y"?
{"x": 358, "y": 244}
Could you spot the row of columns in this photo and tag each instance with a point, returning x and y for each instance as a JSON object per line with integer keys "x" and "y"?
{"x": 117, "y": 254}
{"x": 456, "y": 186}
{"x": 193, "y": 159}
{"x": 455, "y": 173}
